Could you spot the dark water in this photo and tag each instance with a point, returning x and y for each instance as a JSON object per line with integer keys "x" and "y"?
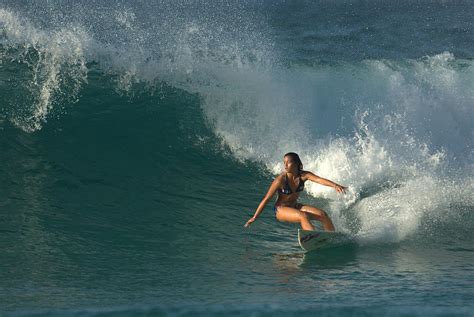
{"x": 137, "y": 138}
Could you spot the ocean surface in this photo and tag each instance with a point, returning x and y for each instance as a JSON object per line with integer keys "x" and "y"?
{"x": 138, "y": 137}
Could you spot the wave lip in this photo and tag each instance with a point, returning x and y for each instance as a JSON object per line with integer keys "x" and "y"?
{"x": 56, "y": 61}
{"x": 182, "y": 52}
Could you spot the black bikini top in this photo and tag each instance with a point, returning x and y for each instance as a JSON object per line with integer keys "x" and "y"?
{"x": 286, "y": 190}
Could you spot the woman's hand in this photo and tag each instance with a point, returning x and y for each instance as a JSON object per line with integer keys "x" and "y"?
{"x": 249, "y": 222}
{"x": 340, "y": 189}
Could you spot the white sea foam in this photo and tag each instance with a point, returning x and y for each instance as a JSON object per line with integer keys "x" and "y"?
{"x": 401, "y": 136}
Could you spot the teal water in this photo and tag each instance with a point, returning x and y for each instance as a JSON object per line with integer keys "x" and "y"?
{"x": 136, "y": 140}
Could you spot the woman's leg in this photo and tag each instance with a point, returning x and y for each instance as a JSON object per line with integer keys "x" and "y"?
{"x": 320, "y": 215}
{"x": 293, "y": 215}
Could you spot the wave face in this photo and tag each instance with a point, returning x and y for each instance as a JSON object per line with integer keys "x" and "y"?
{"x": 148, "y": 119}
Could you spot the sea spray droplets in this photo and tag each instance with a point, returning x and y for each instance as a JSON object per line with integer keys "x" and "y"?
{"x": 179, "y": 43}
{"x": 56, "y": 60}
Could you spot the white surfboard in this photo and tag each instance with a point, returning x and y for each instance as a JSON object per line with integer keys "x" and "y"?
{"x": 314, "y": 240}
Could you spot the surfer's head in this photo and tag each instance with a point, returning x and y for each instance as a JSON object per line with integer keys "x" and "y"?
{"x": 292, "y": 160}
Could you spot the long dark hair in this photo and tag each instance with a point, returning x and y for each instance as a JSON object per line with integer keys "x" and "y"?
{"x": 295, "y": 158}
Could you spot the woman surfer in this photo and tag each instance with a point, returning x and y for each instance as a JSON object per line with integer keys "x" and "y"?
{"x": 289, "y": 185}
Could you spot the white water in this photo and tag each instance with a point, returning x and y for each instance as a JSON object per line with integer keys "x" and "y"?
{"x": 399, "y": 134}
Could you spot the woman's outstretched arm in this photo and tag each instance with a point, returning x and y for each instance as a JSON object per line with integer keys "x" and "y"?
{"x": 271, "y": 191}
{"x": 323, "y": 181}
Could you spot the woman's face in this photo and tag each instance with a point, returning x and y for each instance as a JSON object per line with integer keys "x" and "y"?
{"x": 290, "y": 166}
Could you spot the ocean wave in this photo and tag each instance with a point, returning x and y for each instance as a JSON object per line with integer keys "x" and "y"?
{"x": 397, "y": 132}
